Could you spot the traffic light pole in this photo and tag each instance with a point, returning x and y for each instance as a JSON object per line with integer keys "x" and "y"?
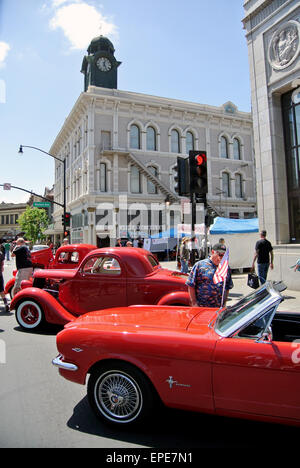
{"x": 194, "y": 206}
{"x": 63, "y": 161}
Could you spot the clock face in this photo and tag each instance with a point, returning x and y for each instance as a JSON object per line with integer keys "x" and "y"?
{"x": 103, "y": 64}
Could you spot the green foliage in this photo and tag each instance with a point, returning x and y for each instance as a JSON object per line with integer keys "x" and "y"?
{"x": 33, "y": 222}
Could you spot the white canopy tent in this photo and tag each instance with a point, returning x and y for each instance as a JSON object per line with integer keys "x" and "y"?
{"x": 240, "y": 237}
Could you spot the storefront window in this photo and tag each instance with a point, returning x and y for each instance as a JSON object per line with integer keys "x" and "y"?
{"x": 291, "y": 125}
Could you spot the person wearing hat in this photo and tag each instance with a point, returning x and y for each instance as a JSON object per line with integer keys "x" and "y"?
{"x": 202, "y": 289}
{"x": 23, "y": 263}
{"x": 184, "y": 255}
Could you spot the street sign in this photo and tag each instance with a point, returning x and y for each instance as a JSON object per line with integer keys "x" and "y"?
{"x": 41, "y": 204}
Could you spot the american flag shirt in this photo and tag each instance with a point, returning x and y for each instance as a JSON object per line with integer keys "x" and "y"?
{"x": 208, "y": 294}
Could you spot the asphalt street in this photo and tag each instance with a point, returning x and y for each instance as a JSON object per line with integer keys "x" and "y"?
{"x": 40, "y": 409}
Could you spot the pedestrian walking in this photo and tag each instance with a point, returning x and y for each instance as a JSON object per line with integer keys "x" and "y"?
{"x": 23, "y": 263}
{"x": 2, "y": 294}
{"x": 264, "y": 256}
{"x": 184, "y": 255}
{"x": 208, "y": 284}
{"x": 7, "y": 247}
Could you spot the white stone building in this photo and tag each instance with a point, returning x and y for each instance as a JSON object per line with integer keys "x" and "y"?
{"x": 273, "y": 37}
{"x": 121, "y": 148}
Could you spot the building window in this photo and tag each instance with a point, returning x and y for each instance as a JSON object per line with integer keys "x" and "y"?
{"x": 175, "y": 146}
{"x": 189, "y": 142}
{"x": 236, "y": 149}
{"x": 151, "y": 139}
{"x": 151, "y": 188}
{"x": 224, "y": 147}
{"x": 134, "y": 137}
{"x": 105, "y": 140}
{"x": 291, "y": 125}
{"x": 135, "y": 180}
{"x": 226, "y": 184}
{"x": 238, "y": 186}
{"x": 102, "y": 177}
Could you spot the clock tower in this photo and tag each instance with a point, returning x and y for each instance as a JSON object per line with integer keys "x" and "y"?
{"x": 100, "y": 66}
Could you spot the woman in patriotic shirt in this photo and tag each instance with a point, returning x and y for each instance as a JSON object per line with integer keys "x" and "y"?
{"x": 210, "y": 279}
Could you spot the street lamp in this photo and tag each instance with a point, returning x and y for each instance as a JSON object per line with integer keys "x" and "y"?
{"x": 63, "y": 161}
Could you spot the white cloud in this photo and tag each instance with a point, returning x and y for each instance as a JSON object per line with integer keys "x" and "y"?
{"x": 4, "y": 48}
{"x": 80, "y": 23}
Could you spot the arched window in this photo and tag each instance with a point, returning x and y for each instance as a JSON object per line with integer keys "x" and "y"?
{"x": 151, "y": 187}
{"x": 226, "y": 184}
{"x": 151, "y": 139}
{"x": 135, "y": 180}
{"x": 134, "y": 137}
{"x": 238, "y": 186}
{"x": 236, "y": 149}
{"x": 189, "y": 142}
{"x": 175, "y": 146}
{"x": 224, "y": 147}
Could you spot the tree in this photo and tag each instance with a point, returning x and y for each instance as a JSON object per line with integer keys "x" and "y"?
{"x": 33, "y": 222}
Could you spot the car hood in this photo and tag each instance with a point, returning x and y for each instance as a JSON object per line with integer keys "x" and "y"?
{"x": 142, "y": 317}
{"x": 55, "y": 274}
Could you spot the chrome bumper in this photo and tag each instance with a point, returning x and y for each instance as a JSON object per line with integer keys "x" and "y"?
{"x": 63, "y": 365}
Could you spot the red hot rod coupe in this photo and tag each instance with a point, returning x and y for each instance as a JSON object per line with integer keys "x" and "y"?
{"x": 241, "y": 361}
{"x": 107, "y": 277}
{"x": 67, "y": 256}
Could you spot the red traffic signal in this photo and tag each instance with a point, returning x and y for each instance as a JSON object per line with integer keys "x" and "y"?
{"x": 198, "y": 172}
{"x": 201, "y": 159}
{"x": 67, "y": 218}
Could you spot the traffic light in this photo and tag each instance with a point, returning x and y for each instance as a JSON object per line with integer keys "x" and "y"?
{"x": 182, "y": 186}
{"x": 198, "y": 173}
{"x": 68, "y": 218}
{"x": 66, "y": 233}
{"x": 63, "y": 219}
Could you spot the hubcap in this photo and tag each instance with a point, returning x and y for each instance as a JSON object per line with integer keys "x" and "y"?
{"x": 29, "y": 314}
{"x": 118, "y": 397}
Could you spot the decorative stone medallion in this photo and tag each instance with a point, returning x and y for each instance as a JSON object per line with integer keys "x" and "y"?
{"x": 284, "y": 47}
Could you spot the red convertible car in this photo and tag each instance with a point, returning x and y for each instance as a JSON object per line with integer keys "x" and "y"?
{"x": 107, "y": 277}
{"x": 240, "y": 361}
{"x": 67, "y": 256}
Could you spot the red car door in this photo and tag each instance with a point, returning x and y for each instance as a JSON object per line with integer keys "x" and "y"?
{"x": 99, "y": 284}
{"x": 257, "y": 377}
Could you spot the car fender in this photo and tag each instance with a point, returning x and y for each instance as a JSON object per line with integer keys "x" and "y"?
{"x": 9, "y": 285}
{"x": 53, "y": 310}
{"x": 175, "y": 297}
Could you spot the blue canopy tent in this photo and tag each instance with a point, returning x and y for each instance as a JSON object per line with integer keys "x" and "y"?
{"x": 234, "y": 226}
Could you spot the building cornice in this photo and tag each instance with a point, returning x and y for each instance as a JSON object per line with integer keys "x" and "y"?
{"x": 189, "y": 110}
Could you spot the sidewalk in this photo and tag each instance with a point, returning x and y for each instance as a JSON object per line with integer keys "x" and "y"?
{"x": 291, "y": 301}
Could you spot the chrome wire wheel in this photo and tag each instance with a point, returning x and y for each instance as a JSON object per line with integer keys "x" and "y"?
{"x": 119, "y": 396}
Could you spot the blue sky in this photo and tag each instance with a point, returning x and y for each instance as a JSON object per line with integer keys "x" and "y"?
{"x": 194, "y": 50}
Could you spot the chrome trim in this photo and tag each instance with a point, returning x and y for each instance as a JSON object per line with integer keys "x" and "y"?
{"x": 273, "y": 299}
{"x": 63, "y": 365}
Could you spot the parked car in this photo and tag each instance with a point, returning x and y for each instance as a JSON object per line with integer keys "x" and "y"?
{"x": 107, "y": 277}
{"x": 240, "y": 361}
{"x": 67, "y": 256}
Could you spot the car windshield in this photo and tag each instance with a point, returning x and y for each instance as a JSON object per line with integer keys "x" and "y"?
{"x": 232, "y": 317}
